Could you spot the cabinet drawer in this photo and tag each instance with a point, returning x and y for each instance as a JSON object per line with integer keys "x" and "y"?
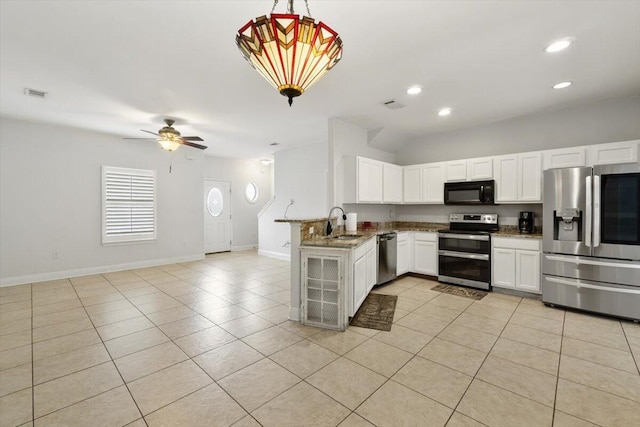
{"x": 425, "y": 237}
{"x": 370, "y": 244}
{"x": 359, "y": 251}
{"x": 516, "y": 243}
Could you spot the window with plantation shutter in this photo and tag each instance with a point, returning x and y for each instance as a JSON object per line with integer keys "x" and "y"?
{"x": 129, "y": 205}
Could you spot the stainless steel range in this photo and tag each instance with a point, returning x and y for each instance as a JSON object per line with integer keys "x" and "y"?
{"x": 591, "y": 239}
{"x": 464, "y": 250}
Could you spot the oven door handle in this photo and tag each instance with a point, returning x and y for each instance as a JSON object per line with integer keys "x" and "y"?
{"x": 483, "y": 257}
{"x": 464, "y": 236}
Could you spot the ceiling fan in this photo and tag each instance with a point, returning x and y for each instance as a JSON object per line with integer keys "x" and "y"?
{"x": 170, "y": 139}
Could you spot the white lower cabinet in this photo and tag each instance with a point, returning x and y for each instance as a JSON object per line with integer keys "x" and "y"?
{"x": 516, "y": 264}
{"x": 365, "y": 274}
{"x": 425, "y": 253}
{"x": 402, "y": 261}
{"x": 323, "y": 287}
{"x": 360, "y": 284}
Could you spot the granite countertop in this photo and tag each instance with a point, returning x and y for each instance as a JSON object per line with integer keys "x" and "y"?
{"x": 300, "y": 220}
{"x": 515, "y": 233}
{"x": 364, "y": 235}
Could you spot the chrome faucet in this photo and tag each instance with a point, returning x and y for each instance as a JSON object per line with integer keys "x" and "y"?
{"x": 329, "y": 226}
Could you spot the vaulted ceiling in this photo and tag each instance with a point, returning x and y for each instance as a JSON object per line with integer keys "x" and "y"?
{"x": 118, "y": 67}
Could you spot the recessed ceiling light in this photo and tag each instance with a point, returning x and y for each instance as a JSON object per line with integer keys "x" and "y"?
{"x": 414, "y": 90}
{"x": 445, "y": 111}
{"x": 558, "y": 45}
{"x": 561, "y": 85}
{"x": 265, "y": 161}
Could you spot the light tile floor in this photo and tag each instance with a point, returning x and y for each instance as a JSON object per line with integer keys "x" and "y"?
{"x": 209, "y": 343}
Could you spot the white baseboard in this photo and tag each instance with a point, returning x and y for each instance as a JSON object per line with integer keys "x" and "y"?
{"x": 271, "y": 254}
{"x": 294, "y": 314}
{"x": 55, "y": 275}
{"x": 243, "y": 248}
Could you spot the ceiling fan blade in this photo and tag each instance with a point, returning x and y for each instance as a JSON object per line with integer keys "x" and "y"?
{"x": 194, "y": 145}
{"x": 148, "y": 131}
{"x": 143, "y": 139}
{"x": 192, "y": 138}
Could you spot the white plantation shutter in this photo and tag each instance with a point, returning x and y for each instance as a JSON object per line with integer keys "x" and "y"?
{"x": 129, "y": 204}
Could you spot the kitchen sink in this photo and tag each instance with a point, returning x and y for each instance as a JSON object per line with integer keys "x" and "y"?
{"x": 348, "y": 237}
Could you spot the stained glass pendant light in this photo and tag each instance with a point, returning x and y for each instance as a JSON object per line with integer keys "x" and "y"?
{"x": 291, "y": 52}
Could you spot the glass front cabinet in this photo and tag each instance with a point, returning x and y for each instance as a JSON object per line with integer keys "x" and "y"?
{"x": 323, "y": 287}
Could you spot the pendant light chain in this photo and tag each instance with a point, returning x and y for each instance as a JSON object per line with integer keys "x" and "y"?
{"x": 290, "y": 7}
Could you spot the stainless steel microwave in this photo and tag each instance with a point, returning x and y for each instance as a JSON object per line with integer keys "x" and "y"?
{"x": 469, "y": 193}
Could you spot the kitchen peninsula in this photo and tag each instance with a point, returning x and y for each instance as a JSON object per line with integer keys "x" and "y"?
{"x": 345, "y": 250}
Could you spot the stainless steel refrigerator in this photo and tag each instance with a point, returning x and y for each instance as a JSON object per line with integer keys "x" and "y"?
{"x": 591, "y": 239}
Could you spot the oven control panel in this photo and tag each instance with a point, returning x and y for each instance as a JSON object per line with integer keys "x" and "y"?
{"x": 474, "y": 218}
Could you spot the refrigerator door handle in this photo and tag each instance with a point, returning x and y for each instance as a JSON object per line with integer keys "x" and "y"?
{"x": 587, "y": 229}
{"x": 596, "y": 211}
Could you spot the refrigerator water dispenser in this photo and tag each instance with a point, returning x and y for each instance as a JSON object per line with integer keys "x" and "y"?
{"x": 567, "y": 225}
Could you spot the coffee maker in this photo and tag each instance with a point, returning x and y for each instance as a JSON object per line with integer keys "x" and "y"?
{"x": 525, "y": 222}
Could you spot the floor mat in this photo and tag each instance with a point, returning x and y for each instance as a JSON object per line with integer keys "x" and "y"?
{"x": 460, "y": 291}
{"x": 376, "y": 312}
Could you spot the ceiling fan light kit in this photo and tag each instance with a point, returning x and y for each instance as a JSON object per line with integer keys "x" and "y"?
{"x": 290, "y": 52}
{"x": 170, "y": 139}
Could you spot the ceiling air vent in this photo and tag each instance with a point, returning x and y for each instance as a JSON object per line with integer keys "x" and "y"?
{"x": 392, "y": 104}
{"x": 35, "y": 92}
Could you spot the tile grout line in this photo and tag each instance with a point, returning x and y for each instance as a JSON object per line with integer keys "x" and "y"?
{"x": 107, "y": 350}
{"x": 636, "y": 359}
{"x": 190, "y": 358}
{"x": 480, "y": 367}
{"x": 413, "y": 357}
{"x": 555, "y": 395}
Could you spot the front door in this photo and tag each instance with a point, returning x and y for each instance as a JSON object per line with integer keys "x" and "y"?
{"x": 217, "y": 216}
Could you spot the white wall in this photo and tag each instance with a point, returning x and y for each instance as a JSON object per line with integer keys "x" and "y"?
{"x": 299, "y": 174}
{"x": 606, "y": 121}
{"x": 50, "y": 202}
{"x": 347, "y": 140}
{"x": 244, "y": 214}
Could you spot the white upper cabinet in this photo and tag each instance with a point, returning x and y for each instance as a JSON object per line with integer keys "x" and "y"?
{"x": 530, "y": 177}
{"x": 470, "y": 169}
{"x": 372, "y": 181}
{"x": 433, "y": 176}
{"x": 457, "y": 171}
{"x": 518, "y": 178}
{"x": 392, "y": 183}
{"x": 424, "y": 183}
{"x": 369, "y": 180}
{"x": 412, "y": 192}
{"x": 478, "y": 169}
{"x": 506, "y": 175}
{"x": 613, "y": 153}
{"x": 564, "y": 158}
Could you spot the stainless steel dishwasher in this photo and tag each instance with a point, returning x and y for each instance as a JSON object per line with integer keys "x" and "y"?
{"x": 387, "y": 257}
